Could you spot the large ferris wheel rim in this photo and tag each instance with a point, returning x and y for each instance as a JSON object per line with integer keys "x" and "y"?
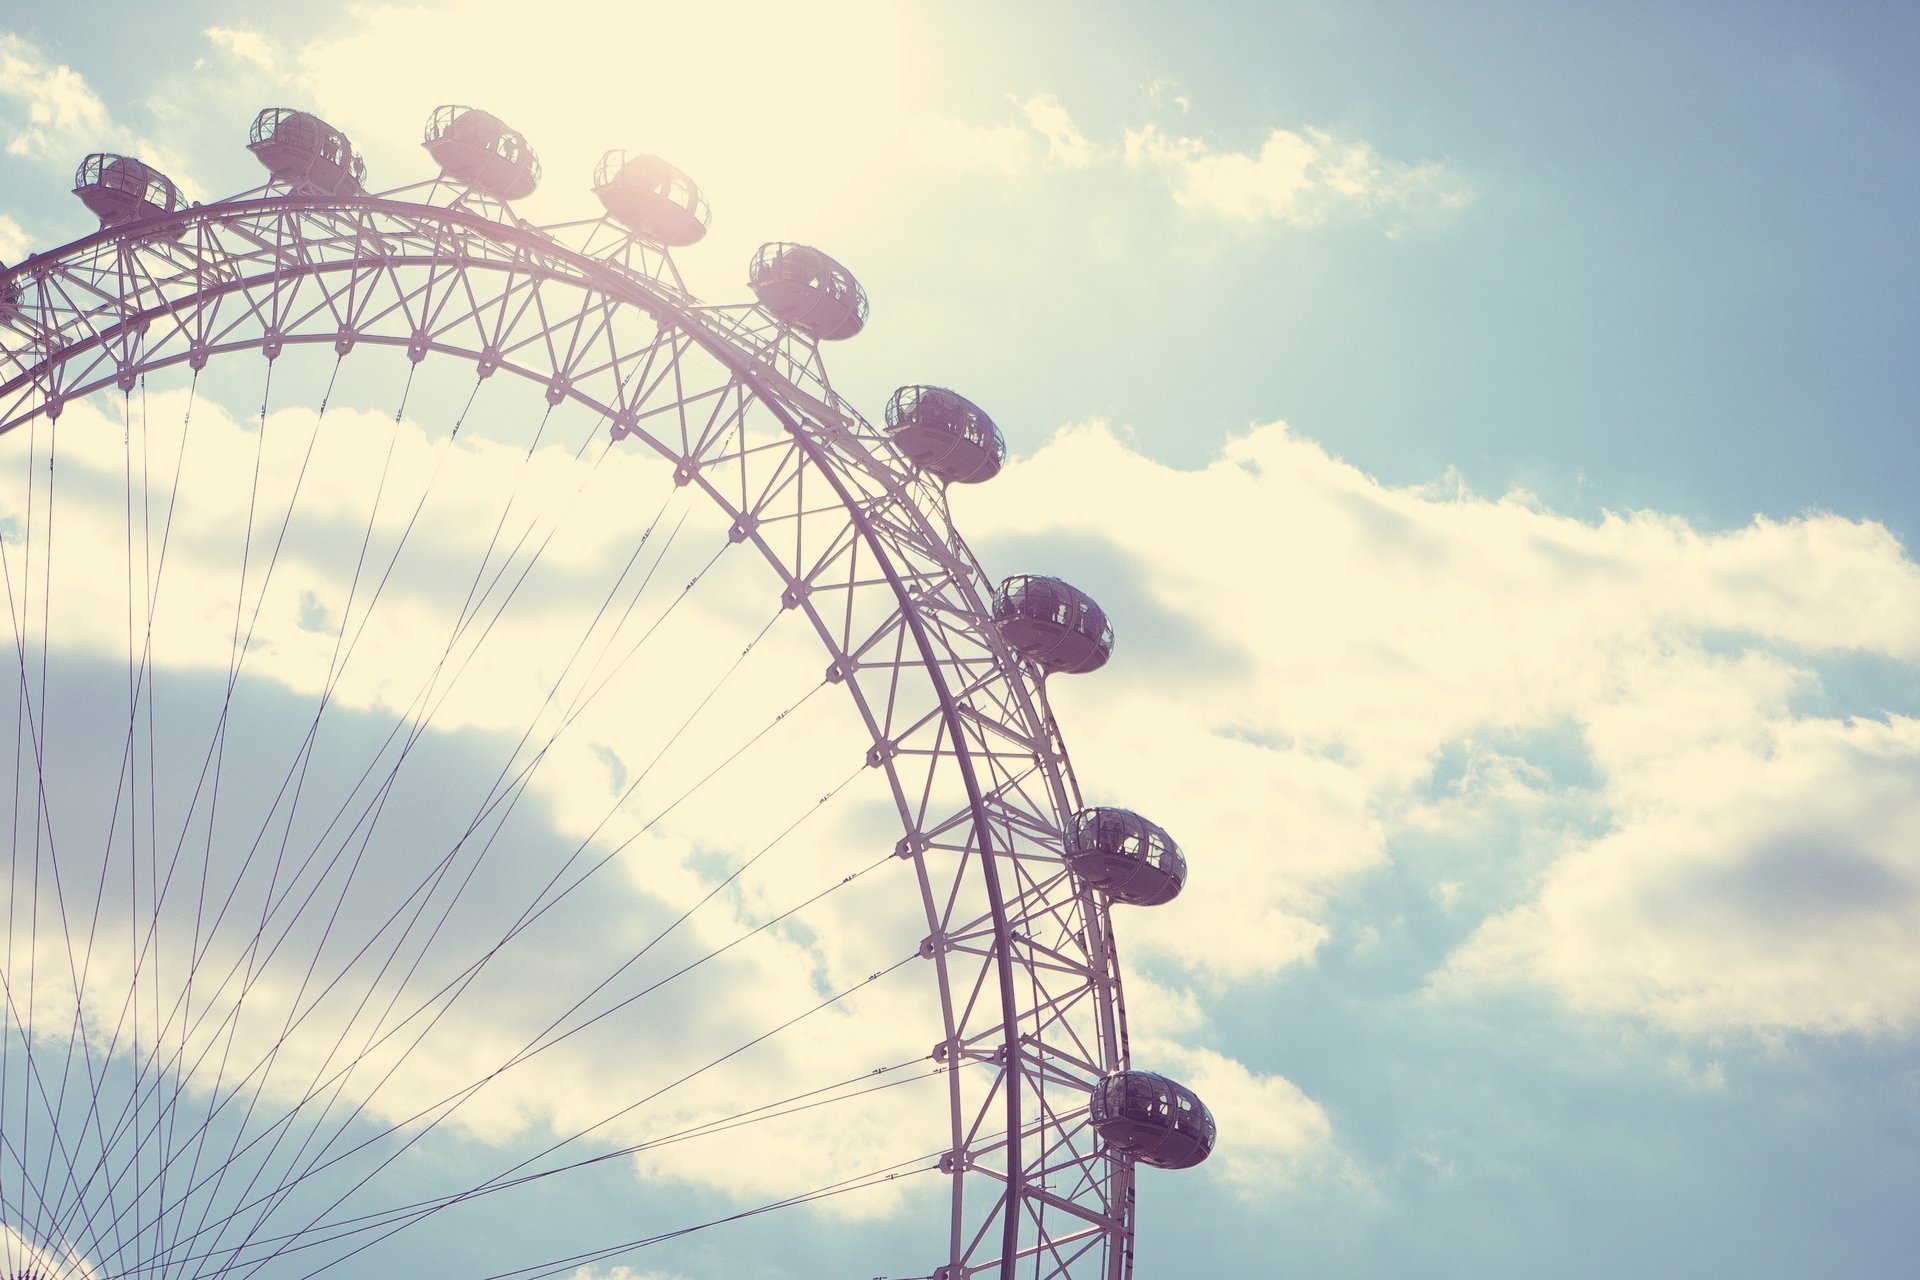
{"x": 538, "y": 254}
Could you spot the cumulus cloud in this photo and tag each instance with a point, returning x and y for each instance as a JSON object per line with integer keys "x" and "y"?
{"x": 1635, "y": 703}
{"x": 51, "y": 110}
{"x": 943, "y": 143}
{"x": 23, "y": 1258}
{"x": 1168, "y": 92}
{"x": 460, "y": 774}
{"x": 1275, "y": 1135}
{"x": 13, "y": 240}
{"x": 1067, "y": 147}
{"x": 246, "y": 45}
{"x": 1299, "y": 177}
{"x": 1762, "y": 875}
{"x": 796, "y": 108}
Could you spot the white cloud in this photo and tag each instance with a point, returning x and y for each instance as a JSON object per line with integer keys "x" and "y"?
{"x": 1168, "y": 92}
{"x": 940, "y": 143}
{"x": 1707, "y": 1076}
{"x": 777, "y": 112}
{"x": 13, "y": 241}
{"x": 1272, "y": 1135}
{"x": 1067, "y": 147}
{"x": 1302, "y": 178}
{"x": 504, "y": 669}
{"x": 1762, "y": 875}
{"x": 23, "y": 1258}
{"x": 246, "y": 45}
{"x": 62, "y": 114}
{"x": 1299, "y": 644}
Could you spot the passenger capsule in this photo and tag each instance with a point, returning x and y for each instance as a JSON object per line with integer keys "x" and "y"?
{"x": 805, "y": 288}
{"x": 477, "y": 149}
{"x": 1125, "y": 856}
{"x": 1055, "y": 624}
{"x": 120, "y": 189}
{"x": 305, "y": 152}
{"x": 652, "y": 199}
{"x": 1152, "y": 1119}
{"x": 945, "y": 434}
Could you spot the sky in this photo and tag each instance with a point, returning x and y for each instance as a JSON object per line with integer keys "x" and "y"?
{"x": 1491, "y": 430}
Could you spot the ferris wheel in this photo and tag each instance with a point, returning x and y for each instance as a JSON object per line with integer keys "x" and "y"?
{"x": 438, "y": 797}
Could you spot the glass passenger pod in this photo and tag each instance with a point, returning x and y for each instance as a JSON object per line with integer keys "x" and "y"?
{"x": 1126, "y": 857}
{"x": 305, "y": 152}
{"x": 945, "y": 434}
{"x": 806, "y": 289}
{"x": 1053, "y": 623}
{"x": 120, "y": 189}
{"x": 477, "y": 149}
{"x": 652, "y": 199}
{"x": 1149, "y": 1118}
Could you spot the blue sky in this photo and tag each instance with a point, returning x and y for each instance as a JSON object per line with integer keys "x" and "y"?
{"x": 1492, "y": 430}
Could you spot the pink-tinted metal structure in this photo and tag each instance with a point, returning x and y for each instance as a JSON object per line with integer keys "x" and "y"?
{"x": 1126, "y": 857}
{"x": 652, "y": 199}
{"x": 120, "y": 189}
{"x": 306, "y": 154}
{"x": 946, "y": 675}
{"x": 477, "y": 149}
{"x": 806, "y": 290}
{"x": 1053, "y": 623}
{"x": 1152, "y": 1119}
{"x": 945, "y": 434}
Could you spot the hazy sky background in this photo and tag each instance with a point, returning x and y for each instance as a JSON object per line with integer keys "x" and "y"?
{"x": 1492, "y": 429}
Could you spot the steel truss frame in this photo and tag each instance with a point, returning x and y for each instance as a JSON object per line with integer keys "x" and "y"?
{"x": 860, "y": 542}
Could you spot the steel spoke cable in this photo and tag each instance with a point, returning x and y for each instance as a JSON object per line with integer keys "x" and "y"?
{"x": 459, "y": 983}
{"x": 216, "y": 750}
{"x": 492, "y": 806}
{"x": 467, "y": 977}
{"x": 498, "y": 804}
{"x": 544, "y": 540}
{"x": 209, "y": 931}
{"x": 871, "y": 1178}
{"x": 256, "y": 963}
{"x": 182, "y": 1002}
{"x": 547, "y": 1038}
{"x": 36, "y": 739}
{"x": 291, "y": 773}
{"x": 826, "y": 1003}
{"x": 130, "y": 770}
{"x": 145, "y": 681}
{"x": 237, "y": 651}
{"x": 24, "y": 712}
{"x": 49, "y": 849}
{"x": 860, "y": 1182}
{"x": 421, "y": 699}
{"x": 427, "y": 884}
{"x": 142, "y": 950}
{"x": 296, "y": 777}
{"x": 446, "y": 1106}
{"x": 25, "y": 733}
{"x": 36, "y": 1085}
{"x": 153, "y": 573}
{"x": 840, "y": 1091}
{"x": 576, "y": 455}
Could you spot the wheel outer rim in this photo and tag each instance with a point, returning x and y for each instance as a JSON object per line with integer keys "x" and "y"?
{"x": 830, "y": 446}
